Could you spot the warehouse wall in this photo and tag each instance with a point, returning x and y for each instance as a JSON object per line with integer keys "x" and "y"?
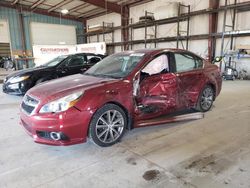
{"x": 4, "y": 31}
{"x": 198, "y": 24}
{"x": 14, "y": 27}
{"x": 160, "y": 8}
{"x": 110, "y": 18}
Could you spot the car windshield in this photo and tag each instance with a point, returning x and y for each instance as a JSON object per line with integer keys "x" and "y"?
{"x": 55, "y": 61}
{"x": 116, "y": 66}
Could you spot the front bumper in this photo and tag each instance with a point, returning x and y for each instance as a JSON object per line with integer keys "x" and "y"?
{"x": 19, "y": 88}
{"x": 73, "y": 124}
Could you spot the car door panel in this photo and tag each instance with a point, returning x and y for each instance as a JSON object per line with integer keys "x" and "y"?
{"x": 189, "y": 83}
{"x": 157, "y": 88}
{"x": 74, "y": 65}
{"x": 158, "y": 94}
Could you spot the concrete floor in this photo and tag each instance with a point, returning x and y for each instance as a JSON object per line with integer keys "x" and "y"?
{"x": 211, "y": 152}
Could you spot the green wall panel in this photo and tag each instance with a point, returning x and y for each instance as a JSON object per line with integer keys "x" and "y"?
{"x": 14, "y": 25}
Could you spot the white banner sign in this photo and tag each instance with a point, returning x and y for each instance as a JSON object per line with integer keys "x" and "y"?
{"x": 45, "y": 53}
{"x": 97, "y": 48}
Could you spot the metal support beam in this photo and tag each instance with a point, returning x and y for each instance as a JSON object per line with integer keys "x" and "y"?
{"x": 60, "y": 5}
{"x": 23, "y": 38}
{"x": 20, "y": 17}
{"x": 190, "y": 37}
{"x": 233, "y": 24}
{"x": 14, "y": 2}
{"x": 36, "y": 4}
{"x": 79, "y": 7}
{"x": 91, "y": 12}
{"x": 85, "y": 39}
{"x": 97, "y": 15}
{"x": 125, "y": 23}
{"x": 213, "y": 21}
{"x": 109, "y": 6}
{"x": 223, "y": 30}
{"x": 179, "y": 20}
{"x": 225, "y": 25}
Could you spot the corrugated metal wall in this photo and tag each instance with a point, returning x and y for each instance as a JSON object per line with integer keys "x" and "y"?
{"x": 11, "y": 15}
{"x": 14, "y": 26}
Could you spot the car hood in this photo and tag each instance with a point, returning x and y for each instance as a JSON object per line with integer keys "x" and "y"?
{"x": 28, "y": 71}
{"x": 61, "y": 87}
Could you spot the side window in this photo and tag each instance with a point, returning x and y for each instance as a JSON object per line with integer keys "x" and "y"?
{"x": 76, "y": 61}
{"x": 89, "y": 57}
{"x": 93, "y": 59}
{"x": 184, "y": 62}
{"x": 158, "y": 65}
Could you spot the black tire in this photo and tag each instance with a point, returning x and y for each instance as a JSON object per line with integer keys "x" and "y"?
{"x": 108, "y": 125}
{"x": 205, "y": 100}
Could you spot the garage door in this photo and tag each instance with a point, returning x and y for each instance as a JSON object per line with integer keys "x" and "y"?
{"x": 4, "y": 38}
{"x": 46, "y": 34}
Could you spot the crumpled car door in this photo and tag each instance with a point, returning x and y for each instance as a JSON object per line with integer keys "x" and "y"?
{"x": 157, "y": 95}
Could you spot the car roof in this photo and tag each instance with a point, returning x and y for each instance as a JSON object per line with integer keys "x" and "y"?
{"x": 86, "y": 54}
{"x": 153, "y": 50}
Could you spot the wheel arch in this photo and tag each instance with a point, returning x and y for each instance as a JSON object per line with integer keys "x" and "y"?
{"x": 42, "y": 78}
{"x": 128, "y": 115}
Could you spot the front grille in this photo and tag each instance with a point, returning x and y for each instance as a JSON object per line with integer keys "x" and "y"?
{"x": 29, "y": 104}
{"x": 27, "y": 108}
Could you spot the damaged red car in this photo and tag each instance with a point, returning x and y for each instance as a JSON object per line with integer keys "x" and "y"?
{"x": 124, "y": 91}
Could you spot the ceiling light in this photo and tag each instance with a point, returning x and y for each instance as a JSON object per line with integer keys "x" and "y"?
{"x": 64, "y": 11}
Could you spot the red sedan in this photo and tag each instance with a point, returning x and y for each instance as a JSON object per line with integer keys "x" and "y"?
{"x": 123, "y": 91}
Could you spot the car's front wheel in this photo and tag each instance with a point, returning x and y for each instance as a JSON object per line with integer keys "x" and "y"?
{"x": 206, "y": 98}
{"x": 108, "y": 125}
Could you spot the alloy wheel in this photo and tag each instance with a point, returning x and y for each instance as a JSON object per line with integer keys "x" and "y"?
{"x": 109, "y": 126}
{"x": 207, "y": 98}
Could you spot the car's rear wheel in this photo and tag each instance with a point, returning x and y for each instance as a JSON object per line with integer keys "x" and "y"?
{"x": 108, "y": 125}
{"x": 206, "y": 98}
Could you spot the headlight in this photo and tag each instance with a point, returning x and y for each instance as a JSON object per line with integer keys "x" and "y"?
{"x": 61, "y": 104}
{"x": 18, "y": 79}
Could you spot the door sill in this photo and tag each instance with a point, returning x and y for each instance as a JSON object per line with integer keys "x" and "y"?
{"x": 170, "y": 118}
